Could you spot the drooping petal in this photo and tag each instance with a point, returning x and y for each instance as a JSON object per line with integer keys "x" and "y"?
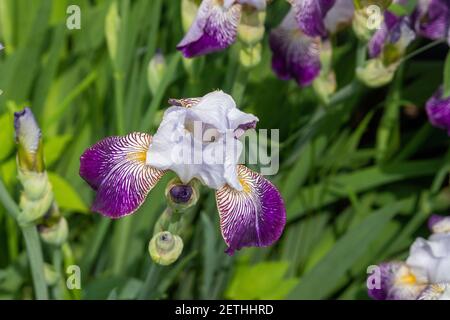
{"x": 295, "y": 55}
{"x": 439, "y": 224}
{"x": 438, "y": 110}
{"x": 214, "y": 28}
{"x": 116, "y": 168}
{"x": 255, "y": 216}
{"x": 432, "y": 18}
{"x": 438, "y": 291}
{"x": 397, "y": 282}
{"x": 310, "y": 15}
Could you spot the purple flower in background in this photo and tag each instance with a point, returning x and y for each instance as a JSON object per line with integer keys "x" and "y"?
{"x": 215, "y": 26}
{"x": 431, "y": 18}
{"x": 310, "y": 15}
{"x": 123, "y": 170}
{"x": 295, "y": 55}
{"x": 425, "y": 273}
{"x": 438, "y": 110}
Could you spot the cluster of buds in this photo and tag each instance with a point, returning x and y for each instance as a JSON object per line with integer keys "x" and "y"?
{"x": 37, "y": 200}
{"x": 166, "y": 244}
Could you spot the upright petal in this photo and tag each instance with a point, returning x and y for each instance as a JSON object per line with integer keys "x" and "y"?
{"x": 214, "y": 28}
{"x": 432, "y": 18}
{"x": 116, "y": 168}
{"x": 438, "y": 110}
{"x": 310, "y": 15}
{"x": 255, "y": 216}
{"x": 295, "y": 55}
{"x": 397, "y": 282}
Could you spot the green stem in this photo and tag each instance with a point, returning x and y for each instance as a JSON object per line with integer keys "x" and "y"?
{"x": 239, "y": 84}
{"x": 150, "y": 281}
{"x": 32, "y": 243}
{"x": 36, "y": 260}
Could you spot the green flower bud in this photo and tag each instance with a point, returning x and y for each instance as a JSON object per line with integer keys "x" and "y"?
{"x": 250, "y": 56}
{"x": 36, "y": 197}
{"x": 28, "y": 138}
{"x": 50, "y": 275}
{"x": 55, "y": 233}
{"x": 165, "y": 248}
{"x": 325, "y": 85}
{"x": 375, "y": 74}
{"x": 181, "y": 196}
{"x": 359, "y": 25}
{"x": 251, "y": 27}
{"x": 155, "y": 71}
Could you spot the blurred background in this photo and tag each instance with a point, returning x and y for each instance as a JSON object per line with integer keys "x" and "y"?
{"x": 359, "y": 175}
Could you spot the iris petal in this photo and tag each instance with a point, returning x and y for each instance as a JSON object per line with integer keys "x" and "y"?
{"x": 295, "y": 55}
{"x": 255, "y": 216}
{"x": 310, "y": 15}
{"x": 116, "y": 168}
{"x": 214, "y": 29}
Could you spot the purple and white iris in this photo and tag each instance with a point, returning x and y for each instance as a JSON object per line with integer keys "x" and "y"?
{"x": 123, "y": 170}
{"x": 432, "y": 18}
{"x": 425, "y": 274}
{"x": 215, "y": 26}
{"x": 438, "y": 110}
{"x": 296, "y": 43}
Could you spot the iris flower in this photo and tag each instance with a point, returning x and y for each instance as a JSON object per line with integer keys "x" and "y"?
{"x": 425, "y": 273}
{"x": 197, "y": 139}
{"x": 438, "y": 110}
{"x": 297, "y": 42}
{"x": 432, "y": 18}
{"x": 215, "y": 26}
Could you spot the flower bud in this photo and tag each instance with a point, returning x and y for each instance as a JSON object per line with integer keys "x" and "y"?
{"x": 28, "y": 138}
{"x": 51, "y": 276}
{"x": 36, "y": 197}
{"x": 165, "y": 248}
{"x": 375, "y": 74}
{"x": 251, "y": 27}
{"x": 250, "y": 56}
{"x": 155, "y": 71}
{"x": 54, "y": 233}
{"x": 181, "y": 196}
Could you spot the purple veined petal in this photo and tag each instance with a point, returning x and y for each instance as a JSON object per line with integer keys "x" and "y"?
{"x": 432, "y": 18}
{"x": 295, "y": 55}
{"x": 255, "y": 216}
{"x": 439, "y": 224}
{"x": 116, "y": 168}
{"x": 310, "y": 15}
{"x": 438, "y": 111}
{"x": 397, "y": 282}
{"x": 214, "y": 29}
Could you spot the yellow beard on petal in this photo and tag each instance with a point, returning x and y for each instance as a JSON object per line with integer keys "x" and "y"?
{"x": 139, "y": 156}
{"x": 244, "y": 185}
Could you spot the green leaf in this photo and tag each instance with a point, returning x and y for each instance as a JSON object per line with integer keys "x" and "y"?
{"x": 6, "y": 135}
{"x": 264, "y": 280}
{"x": 65, "y": 195}
{"x": 324, "y": 278}
{"x": 447, "y": 76}
{"x": 54, "y": 146}
{"x": 112, "y": 25}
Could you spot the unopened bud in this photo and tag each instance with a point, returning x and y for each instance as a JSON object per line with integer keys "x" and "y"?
{"x": 251, "y": 27}
{"x": 375, "y": 74}
{"x": 165, "y": 248}
{"x": 54, "y": 233}
{"x": 189, "y": 10}
{"x": 181, "y": 196}
{"x": 155, "y": 71}
{"x": 250, "y": 56}
{"x": 51, "y": 276}
{"x": 28, "y": 138}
